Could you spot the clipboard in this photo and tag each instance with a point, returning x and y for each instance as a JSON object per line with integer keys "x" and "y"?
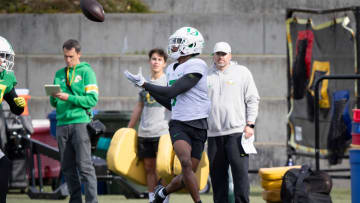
{"x": 52, "y": 89}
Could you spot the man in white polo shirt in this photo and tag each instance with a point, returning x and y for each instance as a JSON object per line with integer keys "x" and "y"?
{"x": 234, "y": 108}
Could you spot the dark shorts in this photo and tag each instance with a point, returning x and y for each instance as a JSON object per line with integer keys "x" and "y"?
{"x": 194, "y": 136}
{"x": 147, "y": 147}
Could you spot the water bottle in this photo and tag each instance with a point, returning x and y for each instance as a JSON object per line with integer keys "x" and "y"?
{"x": 290, "y": 162}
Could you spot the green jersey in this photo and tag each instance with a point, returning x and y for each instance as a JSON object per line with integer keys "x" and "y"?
{"x": 84, "y": 95}
{"x": 7, "y": 83}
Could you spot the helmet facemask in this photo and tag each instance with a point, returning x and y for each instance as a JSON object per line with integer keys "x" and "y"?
{"x": 7, "y": 60}
{"x": 174, "y": 47}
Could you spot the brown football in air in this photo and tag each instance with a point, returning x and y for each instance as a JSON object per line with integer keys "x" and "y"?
{"x": 93, "y": 10}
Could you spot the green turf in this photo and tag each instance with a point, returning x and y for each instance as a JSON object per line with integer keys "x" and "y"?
{"x": 338, "y": 195}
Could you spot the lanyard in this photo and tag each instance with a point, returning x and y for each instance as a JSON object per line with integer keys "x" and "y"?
{"x": 72, "y": 76}
{"x": 2, "y": 73}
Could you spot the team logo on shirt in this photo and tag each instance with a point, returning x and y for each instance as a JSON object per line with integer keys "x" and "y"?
{"x": 149, "y": 99}
{"x": 230, "y": 82}
{"x": 77, "y": 79}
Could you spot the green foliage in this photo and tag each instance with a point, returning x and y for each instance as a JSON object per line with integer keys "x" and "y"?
{"x": 70, "y": 6}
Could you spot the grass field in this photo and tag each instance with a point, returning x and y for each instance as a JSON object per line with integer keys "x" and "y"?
{"x": 338, "y": 195}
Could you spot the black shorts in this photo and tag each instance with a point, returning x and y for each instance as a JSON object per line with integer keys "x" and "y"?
{"x": 147, "y": 147}
{"x": 194, "y": 136}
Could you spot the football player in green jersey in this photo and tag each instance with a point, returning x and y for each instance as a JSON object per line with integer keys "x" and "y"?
{"x": 17, "y": 104}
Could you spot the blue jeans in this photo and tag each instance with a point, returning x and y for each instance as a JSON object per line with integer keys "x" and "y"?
{"x": 76, "y": 165}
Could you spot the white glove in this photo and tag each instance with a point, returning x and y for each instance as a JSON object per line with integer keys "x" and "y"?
{"x": 137, "y": 79}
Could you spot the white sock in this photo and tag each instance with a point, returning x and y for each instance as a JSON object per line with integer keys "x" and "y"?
{"x": 167, "y": 199}
{"x": 161, "y": 193}
{"x": 151, "y": 196}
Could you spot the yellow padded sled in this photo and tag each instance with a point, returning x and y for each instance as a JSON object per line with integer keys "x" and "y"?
{"x": 275, "y": 173}
{"x": 202, "y": 172}
{"x": 165, "y": 158}
{"x": 271, "y": 195}
{"x": 121, "y": 157}
{"x": 271, "y": 184}
{"x": 168, "y": 165}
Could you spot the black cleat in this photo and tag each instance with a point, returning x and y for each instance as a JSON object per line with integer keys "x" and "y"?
{"x": 158, "y": 198}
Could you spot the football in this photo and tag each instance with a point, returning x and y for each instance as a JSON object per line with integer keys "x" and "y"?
{"x": 93, "y": 10}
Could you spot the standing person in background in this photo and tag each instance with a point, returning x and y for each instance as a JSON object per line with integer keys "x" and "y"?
{"x": 186, "y": 97}
{"x": 17, "y": 104}
{"x": 79, "y": 94}
{"x": 153, "y": 122}
{"x": 234, "y": 108}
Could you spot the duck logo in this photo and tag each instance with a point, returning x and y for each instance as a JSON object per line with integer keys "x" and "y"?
{"x": 77, "y": 79}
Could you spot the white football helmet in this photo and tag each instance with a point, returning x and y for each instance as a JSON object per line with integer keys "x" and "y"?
{"x": 7, "y": 54}
{"x": 185, "y": 41}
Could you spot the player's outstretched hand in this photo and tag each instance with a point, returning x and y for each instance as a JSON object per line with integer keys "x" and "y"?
{"x": 137, "y": 79}
{"x": 20, "y": 101}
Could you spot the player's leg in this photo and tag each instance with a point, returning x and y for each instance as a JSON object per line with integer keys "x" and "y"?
{"x": 177, "y": 183}
{"x": 219, "y": 166}
{"x": 185, "y": 179}
{"x": 239, "y": 162}
{"x": 183, "y": 152}
{"x": 196, "y": 138}
{"x": 181, "y": 140}
{"x": 5, "y": 171}
{"x": 82, "y": 145}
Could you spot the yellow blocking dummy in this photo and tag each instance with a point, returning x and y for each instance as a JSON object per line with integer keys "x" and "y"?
{"x": 271, "y": 184}
{"x": 121, "y": 157}
{"x": 271, "y": 195}
{"x": 165, "y": 159}
{"x": 168, "y": 165}
{"x": 275, "y": 173}
{"x": 271, "y": 180}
